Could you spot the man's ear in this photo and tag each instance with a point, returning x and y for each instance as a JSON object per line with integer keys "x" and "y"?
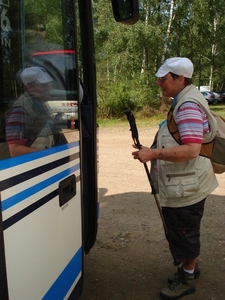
{"x": 30, "y": 85}
{"x": 181, "y": 79}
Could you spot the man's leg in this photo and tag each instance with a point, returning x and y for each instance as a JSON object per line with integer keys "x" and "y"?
{"x": 189, "y": 265}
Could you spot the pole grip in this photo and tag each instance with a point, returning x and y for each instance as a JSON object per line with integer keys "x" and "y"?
{"x": 134, "y": 133}
{"x": 133, "y": 128}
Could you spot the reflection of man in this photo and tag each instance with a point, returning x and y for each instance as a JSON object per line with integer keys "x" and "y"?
{"x": 29, "y": 124}
{"x": 35, "y": 37}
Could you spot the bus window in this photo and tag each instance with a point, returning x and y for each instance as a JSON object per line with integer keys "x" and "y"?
{"x": 61, "y": 66}
{"x": 37, "y": 36}
{"x": 41, "y": 121}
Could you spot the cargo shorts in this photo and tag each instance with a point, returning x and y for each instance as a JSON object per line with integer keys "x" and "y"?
{"x": 183, "y": 224}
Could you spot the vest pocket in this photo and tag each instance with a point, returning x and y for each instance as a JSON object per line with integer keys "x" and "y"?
{"x": 181, "y": 185}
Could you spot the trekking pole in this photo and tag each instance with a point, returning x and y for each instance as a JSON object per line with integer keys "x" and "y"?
{"x": 134, "y": 133}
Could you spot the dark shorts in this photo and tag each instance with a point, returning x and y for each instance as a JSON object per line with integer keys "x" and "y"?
{"x": 183, "y": 224}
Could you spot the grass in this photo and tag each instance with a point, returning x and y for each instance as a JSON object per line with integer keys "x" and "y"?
{"x": 152, "y": 121}
{"x": 219, "y": 109}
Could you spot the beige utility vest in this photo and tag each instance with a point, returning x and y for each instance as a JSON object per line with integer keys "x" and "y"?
{"x": 184, "y": 183}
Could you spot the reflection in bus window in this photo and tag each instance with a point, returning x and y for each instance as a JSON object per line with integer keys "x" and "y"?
{"x": 35, "y": 37}
{"x": 61, "y": 66}
{"x": 42, "y": 36}
{"x": 29, "y": 123}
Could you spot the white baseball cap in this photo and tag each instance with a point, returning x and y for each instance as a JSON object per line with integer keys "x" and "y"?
{"x": 177, "y": 65}
{"x": 31, "y": 74}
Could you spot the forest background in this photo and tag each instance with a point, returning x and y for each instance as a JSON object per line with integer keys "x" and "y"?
{"x": 127, "y": 57}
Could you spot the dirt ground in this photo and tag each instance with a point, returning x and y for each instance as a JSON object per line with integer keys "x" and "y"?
{"x": 130, "y": 259}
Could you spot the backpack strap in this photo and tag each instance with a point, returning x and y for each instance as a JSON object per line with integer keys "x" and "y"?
{"x": 206, "y": 149}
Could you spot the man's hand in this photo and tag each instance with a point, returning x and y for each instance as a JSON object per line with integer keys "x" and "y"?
{"x": 143, "y": 155}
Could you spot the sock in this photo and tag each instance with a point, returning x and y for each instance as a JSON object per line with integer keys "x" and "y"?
{"x": 189, "y": 271}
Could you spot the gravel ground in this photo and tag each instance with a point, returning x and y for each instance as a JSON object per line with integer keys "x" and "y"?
{"x": 130, "y": 259}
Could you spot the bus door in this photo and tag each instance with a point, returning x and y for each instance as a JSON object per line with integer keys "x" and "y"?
{"x": 40, "y": 165}
{"x": 48, "y": 166}
{"x": 125, "y": 11}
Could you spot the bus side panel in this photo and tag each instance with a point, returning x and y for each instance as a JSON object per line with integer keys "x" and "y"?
{"x": 3, "y": 279}
{"x": 42, "y": 240}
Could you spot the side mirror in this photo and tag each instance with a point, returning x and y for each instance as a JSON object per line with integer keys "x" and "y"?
{"x": 126, "y": 11}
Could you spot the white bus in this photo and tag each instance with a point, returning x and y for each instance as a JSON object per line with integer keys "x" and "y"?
{"x": 49, "y": 197}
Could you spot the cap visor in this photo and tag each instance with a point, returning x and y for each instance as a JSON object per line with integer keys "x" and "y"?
{"x": 161, "y": 72}
{"x": 45, "y": 79}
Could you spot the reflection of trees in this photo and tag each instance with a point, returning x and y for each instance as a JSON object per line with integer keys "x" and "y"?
{"x": 50, "y": 10}
{"x": 59, "y": 19}
{"x": 11, "y": 52}
{"x": 60, "y": 24}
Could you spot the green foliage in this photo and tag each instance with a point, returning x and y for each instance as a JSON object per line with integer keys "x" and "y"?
{"x": 118, "y": 96}
{"x": 116, "y": 100}
{"x": 128, "y": 56}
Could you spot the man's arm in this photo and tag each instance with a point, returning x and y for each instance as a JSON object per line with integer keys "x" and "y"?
{"x": 17, "y": 131}
{"x": 17, "y": 149}
{"x": 192, "y": 124}
{"x": 174, "y": 154}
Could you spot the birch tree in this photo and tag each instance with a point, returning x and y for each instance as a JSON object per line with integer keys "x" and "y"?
{"x": 168, "y": 31}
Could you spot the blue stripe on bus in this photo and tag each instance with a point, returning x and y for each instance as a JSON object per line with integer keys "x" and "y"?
{"x": 13, "y": 200}
{"x": 18, "y": 178}
{"x": 18, "y": 160}
{"x": 28, "y": 210}
{"x": 31, "y": 208}
{"x": 64, "y": 282}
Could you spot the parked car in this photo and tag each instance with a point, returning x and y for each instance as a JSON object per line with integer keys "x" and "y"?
{"x": 209, "y": 96}
{"x": 218, "y": 97}
{"x": 222, "y": 93}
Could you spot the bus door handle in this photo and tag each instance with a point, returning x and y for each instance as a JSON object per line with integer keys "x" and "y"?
{"x": 67, "y": 189}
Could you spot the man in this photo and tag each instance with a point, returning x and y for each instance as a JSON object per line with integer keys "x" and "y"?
{"x": 29, "y": 124}
{"x": 36, "y": 37}
{"x": 183, "y": 178}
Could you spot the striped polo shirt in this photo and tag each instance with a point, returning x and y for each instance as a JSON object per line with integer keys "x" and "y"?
{"x": 192, "y": 123}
